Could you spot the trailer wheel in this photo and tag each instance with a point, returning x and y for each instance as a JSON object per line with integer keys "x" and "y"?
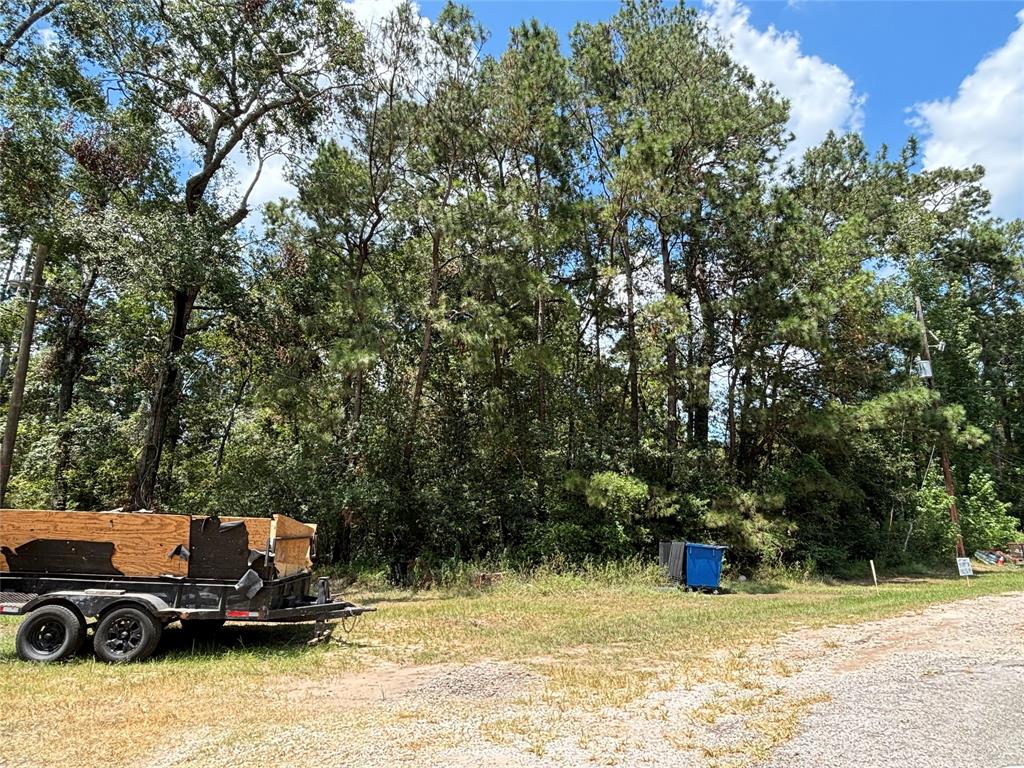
{"x": 126, "y": 634}
{"x": 50, "y": 633}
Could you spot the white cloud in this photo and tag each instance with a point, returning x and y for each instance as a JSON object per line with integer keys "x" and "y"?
{"x": 368, "y": 12}
{"x": 273, "y": 183}
{"x": 983, "y": 124}
{"x": 822, "y": 96}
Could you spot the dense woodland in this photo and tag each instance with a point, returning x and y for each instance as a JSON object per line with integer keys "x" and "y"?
{"x": 559, "y": 303}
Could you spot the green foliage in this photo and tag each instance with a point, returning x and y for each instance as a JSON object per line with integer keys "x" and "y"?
{"x": 985, "y": 521}
{"x": 622, "y": 497}
{"x": 573, "y": 542}
{"x": 548, "y": 306}
{"x": 931, "y": 534}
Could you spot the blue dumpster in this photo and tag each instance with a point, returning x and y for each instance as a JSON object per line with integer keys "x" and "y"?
{"x": 703, "y": 565}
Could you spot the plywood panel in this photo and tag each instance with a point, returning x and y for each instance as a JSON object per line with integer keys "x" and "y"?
{"x": 292, "y": 544}
{"x": 258, "y": 528}
{"x": 141, "y": 541}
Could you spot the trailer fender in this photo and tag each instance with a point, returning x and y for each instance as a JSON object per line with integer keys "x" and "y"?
{"x": 96, "y": 602}
{"x": 44, "y": 600}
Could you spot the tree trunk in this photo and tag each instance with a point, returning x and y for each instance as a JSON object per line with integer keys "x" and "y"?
{"x": 170, "y": 452}
{"x": 734, "y": 372}
{"x": 5, "y": 289}
{"x": 671, "y": 396}
{"x": 542, "y": 409}
{"x": 574, "y": 388}
{"x": 226, "y": 434}
{"x": 702, "y": 406}
{"x": 542, "y": 395}
{"x": 74, "y": 348}
{"x": 745, "y": 456}
{"x": 423, "y": 369}
{"x": 706, "y": 352}
{"x": 730, "y": 416}
{"x": 165, "y": 394}
{"x": 75, "y": 345}
{"x": 632, "y": 374}
{"x": 596, "y": 292}
{"x": 689, "y": 376}
{"x": 538, "y": 257}
{"x": 5, "y": 358}
{"x": 21, "y": 373}
{"x": 341, "y": 548}
{"x": 360, "y": 375}
{"x": 691, "y": 339}
{"x": 499, "y": 376}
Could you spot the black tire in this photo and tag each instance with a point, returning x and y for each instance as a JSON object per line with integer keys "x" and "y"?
{"x": 50, "y": 633}
{"x": 126, "y": 634}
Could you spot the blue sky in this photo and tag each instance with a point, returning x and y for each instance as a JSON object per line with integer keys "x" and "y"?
{"x": 951, "y": 72}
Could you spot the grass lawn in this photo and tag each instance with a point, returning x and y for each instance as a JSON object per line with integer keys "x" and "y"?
{"x": 599, "y": 640}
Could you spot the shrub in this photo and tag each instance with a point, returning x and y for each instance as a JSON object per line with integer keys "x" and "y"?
{"x": 985, "y": 521}
{"x": 931, "y": 535}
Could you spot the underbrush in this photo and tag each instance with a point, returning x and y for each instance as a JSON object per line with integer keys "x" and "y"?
{"x": 465, "y": 578}
{"x": 462, "y": 577}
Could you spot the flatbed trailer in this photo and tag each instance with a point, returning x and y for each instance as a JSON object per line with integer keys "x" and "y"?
{"x": 128, "y": 575}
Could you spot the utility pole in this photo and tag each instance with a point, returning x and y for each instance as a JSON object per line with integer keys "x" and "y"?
{"x": 928, "y": 375}
{"x": 21, "y": 372}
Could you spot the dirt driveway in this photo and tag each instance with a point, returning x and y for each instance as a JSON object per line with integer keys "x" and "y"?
{"x": 941, "y": 687}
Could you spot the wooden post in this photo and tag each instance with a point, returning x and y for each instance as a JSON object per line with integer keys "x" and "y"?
{"x": 874, "y": 576}
{"x": 21, "y": 372}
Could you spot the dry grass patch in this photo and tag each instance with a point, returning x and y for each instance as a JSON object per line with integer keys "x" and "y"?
{"x": 525, "y": 732}
{"x": 596, "y": 643}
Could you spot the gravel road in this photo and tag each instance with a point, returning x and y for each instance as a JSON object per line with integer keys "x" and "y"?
{"x": 940, "y": 688}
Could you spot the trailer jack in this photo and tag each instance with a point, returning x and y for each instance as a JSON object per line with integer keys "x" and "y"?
{"x": 322, "y": 631}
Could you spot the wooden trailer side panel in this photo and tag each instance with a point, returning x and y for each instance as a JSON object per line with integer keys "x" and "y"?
{"x": 292, "y": 543}
{"x": 132, "y": 544}
{"x": 259, "y": 529}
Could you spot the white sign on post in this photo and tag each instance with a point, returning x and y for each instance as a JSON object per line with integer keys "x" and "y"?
{"x": 963, "y": 565}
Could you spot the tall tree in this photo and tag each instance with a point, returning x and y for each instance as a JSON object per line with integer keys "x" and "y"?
{"x": 252, "y": 78}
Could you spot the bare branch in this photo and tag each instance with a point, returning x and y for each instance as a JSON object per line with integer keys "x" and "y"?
{"x": 242, "y": 211}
